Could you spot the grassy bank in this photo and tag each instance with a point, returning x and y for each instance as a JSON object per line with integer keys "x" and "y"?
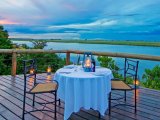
{"x": 110, "y": 42}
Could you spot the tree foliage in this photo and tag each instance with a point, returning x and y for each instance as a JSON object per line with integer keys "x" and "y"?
{"x": 39, "y": 44}
{"x": 151, "y": 78}
{"x": 43, "y": 60}
{"x": 5, "y": 43}
{"x": 108, "y": 62}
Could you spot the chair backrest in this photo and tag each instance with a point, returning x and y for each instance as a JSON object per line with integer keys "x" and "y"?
{"x": 29, "y": 70}
{"x": 78, "y": 58}
{"x": 131, "y": 69}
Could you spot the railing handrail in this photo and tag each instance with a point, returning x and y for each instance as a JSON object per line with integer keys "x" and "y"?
{"x": 14, "y": 53}
{"x": 22, "y": 51}
{"x": 111, "y": 54}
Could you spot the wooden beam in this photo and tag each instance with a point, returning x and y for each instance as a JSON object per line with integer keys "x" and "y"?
{"x": 30, "y": 51}
{"x": 37, "y": 51}
{"x": 67, "y": 58}
{"x": 110, "y": 54}
{"x": 121, "y": 55}
{"x": 14, "y": 64}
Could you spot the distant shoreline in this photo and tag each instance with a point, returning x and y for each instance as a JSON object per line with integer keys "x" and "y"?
{"x": 110, "y": 42}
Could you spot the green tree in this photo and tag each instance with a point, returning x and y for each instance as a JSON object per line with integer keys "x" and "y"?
{"x": 151, "y": 78}
{"x": 43, "y": 60}
{"x": 5, "y": 43}
{"x": 39, "y": 44}
{"x": 108, "y": 62}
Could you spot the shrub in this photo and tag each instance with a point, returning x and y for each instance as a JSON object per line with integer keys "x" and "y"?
{"x": 151, "y": 78}
{"x": 108, "y": 62}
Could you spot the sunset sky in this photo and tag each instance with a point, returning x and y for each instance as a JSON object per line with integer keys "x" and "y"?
{"x": 82, "y": 19}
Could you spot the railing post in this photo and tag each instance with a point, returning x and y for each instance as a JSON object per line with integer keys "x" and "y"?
{"x": 67, "y": 58}
{"x": 14, "y": 64}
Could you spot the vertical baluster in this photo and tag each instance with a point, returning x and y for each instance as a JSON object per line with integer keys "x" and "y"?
{"x": 14, "y": 63}
{"x": 67, "y": 58}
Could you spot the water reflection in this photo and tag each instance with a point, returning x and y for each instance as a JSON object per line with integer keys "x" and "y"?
{"x": 31, "y": 82}
{"x": 137, "y": 94}
{"x": 48, "y": 78}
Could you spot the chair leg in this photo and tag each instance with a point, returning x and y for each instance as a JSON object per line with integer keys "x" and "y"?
{"x": 33, "y": 100}
{"x": 125, "y": 95}
{"x": 24, "y": 100}
{"x": 135, "y": 100}
{"x": 55, "y": 112}
{"x": 99, "y": 115}
{"x": 109, "y": 103}
{"x": 59, "y": 101}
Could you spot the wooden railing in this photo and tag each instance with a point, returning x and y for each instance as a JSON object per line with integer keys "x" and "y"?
{"x": 14, "y": 53}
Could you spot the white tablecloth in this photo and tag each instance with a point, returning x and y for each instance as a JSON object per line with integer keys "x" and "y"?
{"x": 83, "y": 89}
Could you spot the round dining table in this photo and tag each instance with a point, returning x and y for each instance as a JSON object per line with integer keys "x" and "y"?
{"x": 79, "y": 89}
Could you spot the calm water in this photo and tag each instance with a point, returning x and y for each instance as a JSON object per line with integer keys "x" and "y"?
{"x": 107, "y": 48}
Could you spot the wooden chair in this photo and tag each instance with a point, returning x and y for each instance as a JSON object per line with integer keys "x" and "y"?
{"x": 30, "y": 70}
{"x": 130, "y": 70}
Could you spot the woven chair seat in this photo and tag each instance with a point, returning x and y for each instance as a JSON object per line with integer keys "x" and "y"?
{"x": 120, "y": 85}
{"x": 44, "y": 87}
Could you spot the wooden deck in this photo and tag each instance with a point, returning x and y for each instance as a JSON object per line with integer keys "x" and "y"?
{"x": 11, "y": 97}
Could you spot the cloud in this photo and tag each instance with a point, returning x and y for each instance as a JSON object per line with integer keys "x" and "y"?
{"x": 7, "y": 22}
{"x": 123, "y": 15}
{"x": 98, "y": 23}
{"x": 46, "y": 36}
{"x": 89, "y": 18}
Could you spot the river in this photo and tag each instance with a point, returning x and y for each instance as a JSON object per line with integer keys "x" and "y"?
{"x": 145, "y": 50}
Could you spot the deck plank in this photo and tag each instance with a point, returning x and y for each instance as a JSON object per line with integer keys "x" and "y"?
{"x": 11, "y": 98}
{"x": 19, "y": 96}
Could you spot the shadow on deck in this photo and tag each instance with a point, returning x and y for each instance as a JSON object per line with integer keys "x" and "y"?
{"x": 11, "y": 98}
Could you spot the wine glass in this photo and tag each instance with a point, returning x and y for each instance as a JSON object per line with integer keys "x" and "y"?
{"x": 81, "y": 62}
{"x": 75, "y": 66}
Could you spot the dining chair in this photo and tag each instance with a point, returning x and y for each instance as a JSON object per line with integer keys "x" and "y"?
{"x": 30, "y": 71}
{"x": 130, "y": 72}
{"x": 78, "y": 59}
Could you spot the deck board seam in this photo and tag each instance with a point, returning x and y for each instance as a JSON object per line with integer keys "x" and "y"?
{"x": 28, "y": 97}
{"x": 11, "y": 111}
{"x": 26, "y": 103}
{"x": 150, "y": 105}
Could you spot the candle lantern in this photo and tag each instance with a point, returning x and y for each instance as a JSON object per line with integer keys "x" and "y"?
{"x": 87, "y": 62}
{"x": 49, "y": 70}
{"x": 136, "y": 83}
{"x": 31, "y": 71}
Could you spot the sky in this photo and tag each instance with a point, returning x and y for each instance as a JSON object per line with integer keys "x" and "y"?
{"x": 82, "y": 19}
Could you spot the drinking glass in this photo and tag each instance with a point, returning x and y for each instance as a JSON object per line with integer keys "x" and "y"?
{"x": 81, "y": 62}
